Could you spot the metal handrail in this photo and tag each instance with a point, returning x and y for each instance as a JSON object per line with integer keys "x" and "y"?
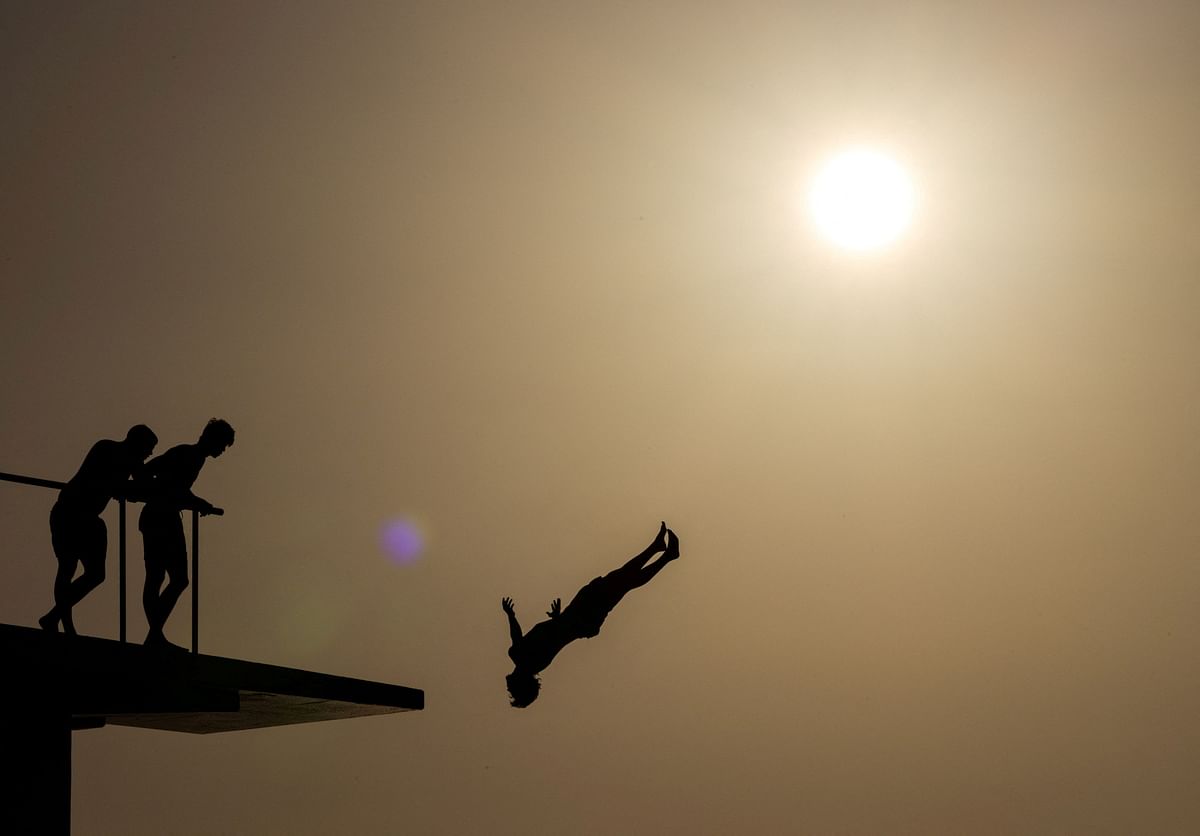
{"x": 50, "y": 483}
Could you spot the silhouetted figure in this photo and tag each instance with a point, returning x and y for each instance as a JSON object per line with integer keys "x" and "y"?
{"x": 169, "y": 480}
{"x": 77, "y": 533}
{"x": 533, "y": 652}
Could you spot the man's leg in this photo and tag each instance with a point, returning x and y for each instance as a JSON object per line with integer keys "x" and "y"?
{"x": 61, "y": 611}
{"x": 639, "y": 560}
{"x": 93, "y": 554}
{"x": 155, "y": 575}
{"x": 671, "y": 552}
{"x": 75, "y": 540}
{"x": 154, "y": 549}
{"x": 92, "y": 577}
{"x": 68, "y": 562}
{"x": 177, "y": 582}
{"x": 166, "y": 558}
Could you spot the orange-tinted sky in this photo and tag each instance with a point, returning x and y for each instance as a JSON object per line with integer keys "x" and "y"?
{"x": 533, "y": 273}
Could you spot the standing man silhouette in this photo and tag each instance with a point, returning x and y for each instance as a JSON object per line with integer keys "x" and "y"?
{"x": 77, "y": 533}
{"x": 169, "y": 480}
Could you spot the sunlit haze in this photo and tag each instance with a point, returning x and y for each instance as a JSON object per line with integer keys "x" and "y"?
{"x": 890, "y": 310}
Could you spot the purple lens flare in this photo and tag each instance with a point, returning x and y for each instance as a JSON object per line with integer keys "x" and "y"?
{"x": 402, "y": 541}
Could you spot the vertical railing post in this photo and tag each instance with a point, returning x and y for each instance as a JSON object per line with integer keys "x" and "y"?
{"x": 121, "y": 554}
{"x": 195, "y": 581}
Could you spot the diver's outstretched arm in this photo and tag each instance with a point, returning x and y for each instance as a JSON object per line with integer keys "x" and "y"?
{"x": 514, "y": 626}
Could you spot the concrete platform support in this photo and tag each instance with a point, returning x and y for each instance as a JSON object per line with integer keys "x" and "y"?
{"x": 36, "y": 794}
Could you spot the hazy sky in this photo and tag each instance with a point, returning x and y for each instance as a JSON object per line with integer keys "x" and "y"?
{"x": 535, "y": 275}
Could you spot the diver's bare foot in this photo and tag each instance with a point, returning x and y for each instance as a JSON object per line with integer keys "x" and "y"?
{"x": 672, "y": 551}
{"x": 660, "y": 541}
{"x": 49, "y": 622}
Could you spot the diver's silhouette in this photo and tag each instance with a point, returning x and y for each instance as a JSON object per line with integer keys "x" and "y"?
{"x": 77, "y": 533}
{"x": 168, "y": 488}
{"x": 532, "y": 652}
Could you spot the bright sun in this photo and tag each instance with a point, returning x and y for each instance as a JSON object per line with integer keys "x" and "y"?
{"x": 861, "y": 200}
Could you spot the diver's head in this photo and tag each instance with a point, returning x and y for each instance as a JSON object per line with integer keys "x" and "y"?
{"x": 523, "y": 688}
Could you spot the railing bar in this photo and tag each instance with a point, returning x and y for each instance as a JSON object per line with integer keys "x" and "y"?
{"x": 121, "y": 554}
{"x": 195, "y": 581}
{"x": 50, "y": 483}
{"x": 31, "y": 480}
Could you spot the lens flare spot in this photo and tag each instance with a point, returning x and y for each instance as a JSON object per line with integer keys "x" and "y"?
{"x": 402, "y": 540}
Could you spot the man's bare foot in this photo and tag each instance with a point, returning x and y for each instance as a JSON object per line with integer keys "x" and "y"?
{"x": 672, "y": 550}
{"x": 660, "y": 541}
{"x": 158, "y": 641}
{"x": 49, "y": 622}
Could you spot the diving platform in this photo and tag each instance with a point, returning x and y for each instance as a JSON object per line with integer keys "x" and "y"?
{"x": 52, "y": 685}
{"x": 99, "y": 681}
{"x": 55, "y": 684}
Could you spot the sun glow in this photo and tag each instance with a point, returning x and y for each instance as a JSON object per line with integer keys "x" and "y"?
{"x": 861, "y": 200}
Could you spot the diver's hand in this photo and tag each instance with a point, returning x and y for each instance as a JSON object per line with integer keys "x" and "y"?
{"x": 506, "y": 604}
{"x": 555, "y": 608}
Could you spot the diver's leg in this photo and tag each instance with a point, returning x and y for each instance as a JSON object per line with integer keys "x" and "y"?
{"x": 639, "y": 560}
{"x": 643, "y": 576}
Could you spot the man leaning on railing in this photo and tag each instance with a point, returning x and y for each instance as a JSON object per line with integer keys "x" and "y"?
{"x": 77, "y": 532}
{"x": 169, "y": 479}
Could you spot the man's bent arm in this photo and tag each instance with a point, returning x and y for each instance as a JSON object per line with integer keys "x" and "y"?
{"x": 192, "y": 502}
